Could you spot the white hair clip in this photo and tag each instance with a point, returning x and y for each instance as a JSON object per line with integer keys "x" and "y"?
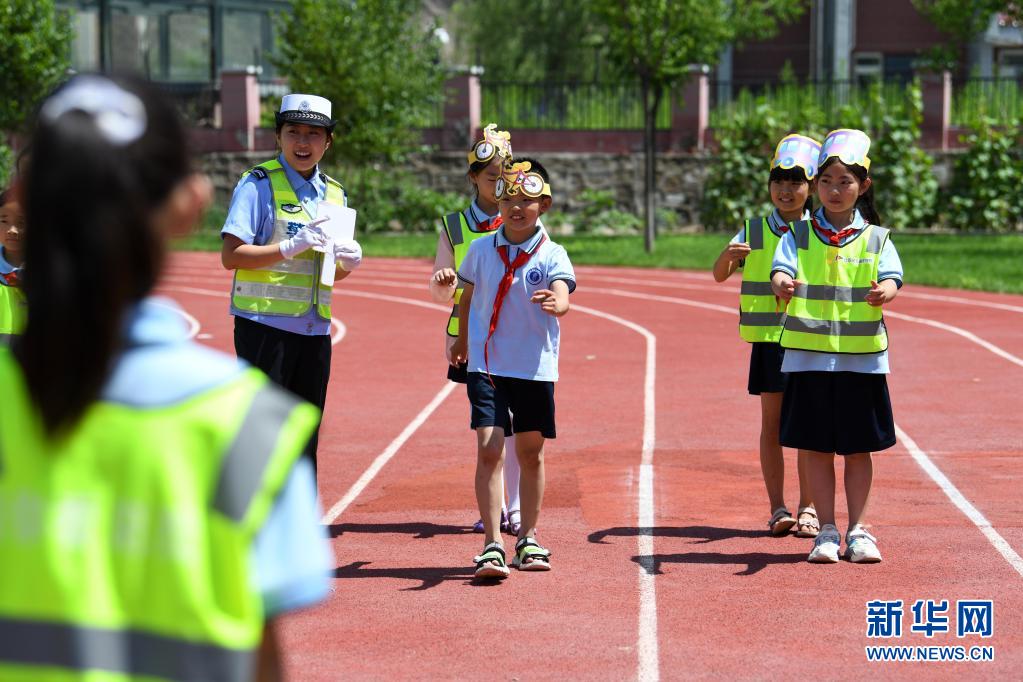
{"x": 119, "y": 114}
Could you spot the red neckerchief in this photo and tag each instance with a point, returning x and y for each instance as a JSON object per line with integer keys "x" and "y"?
{"x": 490, "y": 224}
{"x": 502, "y": 289}
{"x": 833, "y": 237}
{"x": 12, "y": 279}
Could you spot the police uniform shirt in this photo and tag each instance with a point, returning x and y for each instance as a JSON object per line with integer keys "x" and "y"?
{"x": 251, "y": 218}
{"x": 889, "y": 267}
{"x": 525, "y": 344}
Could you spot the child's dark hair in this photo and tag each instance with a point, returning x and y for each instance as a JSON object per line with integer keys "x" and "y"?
{"x": 794, "y": 174}
{"x": 865, "y": 203}
{"x": 96, "y": 252}
{"x": 535, "y": 167}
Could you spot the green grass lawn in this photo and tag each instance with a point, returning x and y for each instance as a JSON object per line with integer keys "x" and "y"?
{"x": 980, "y": 262}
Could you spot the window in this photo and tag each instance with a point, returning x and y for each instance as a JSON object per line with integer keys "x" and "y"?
{"x": 867, "y": 66}
{"x": 1010, "y": 64}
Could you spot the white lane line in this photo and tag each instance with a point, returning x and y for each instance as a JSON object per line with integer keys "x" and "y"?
{"x": 384, "y": 457}
{"x": 649, "y": 666}
{"x": 337, "y": 325}
{"x": 918, "y": 455}
{"x": 970, "y": 336}
{"x": 394, "y": 299}
{"x": 724, "y": 288}
{"x": 193, "y": 324}
{"x": 960, "y": 501}
{"x": 666, "y": 299}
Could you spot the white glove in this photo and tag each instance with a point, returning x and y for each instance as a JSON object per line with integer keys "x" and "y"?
{"x": 310, "y": 236}
{"x": 348, "y": 254}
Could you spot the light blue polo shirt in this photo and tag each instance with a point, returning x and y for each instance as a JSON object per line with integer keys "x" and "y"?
{"x": 251, "y": 218}
{"x": 525, "y": 343}
{"x": 291, "y": 555}
{"x": 889, "y": 267}
{"x": 5, "y": 267}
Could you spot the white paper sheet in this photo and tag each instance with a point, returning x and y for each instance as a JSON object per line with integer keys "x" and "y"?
{"x": 339, "y": 226}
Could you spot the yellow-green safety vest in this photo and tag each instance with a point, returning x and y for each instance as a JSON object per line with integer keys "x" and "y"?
{"x": 13, "y": 312}
{"x": 288, "y": 287}
{"x": 126, "y": 545}
{"x": 760, "y": 314}
{"x": 828, "y": 312}
{"x": 461, "y": 234}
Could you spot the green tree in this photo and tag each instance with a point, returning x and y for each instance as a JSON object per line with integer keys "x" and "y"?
{"x": 656, "y": 41}
{"x": 540, "y": 38}
{"x": 377, "y": 64}
{"x": 33, "y": 59}
{"x": 961, "y": 21}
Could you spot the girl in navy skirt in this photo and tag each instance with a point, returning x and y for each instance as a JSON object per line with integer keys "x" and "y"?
{"x": 836, "y": 274}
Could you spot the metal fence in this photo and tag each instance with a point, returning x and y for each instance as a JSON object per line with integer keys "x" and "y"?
{"x": 997, "y": 99}
{"x": 569, "y": 106}
{"x": 829, "y": 99}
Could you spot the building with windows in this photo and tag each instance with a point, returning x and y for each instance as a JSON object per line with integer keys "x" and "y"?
{"x": 858, "y": 40}
{"x": 174, "y": 41}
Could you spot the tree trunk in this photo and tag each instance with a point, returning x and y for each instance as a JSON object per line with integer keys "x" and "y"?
{"x": 651, "y": 100}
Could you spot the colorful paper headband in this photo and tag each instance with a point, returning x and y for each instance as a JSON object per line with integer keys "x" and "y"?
{"x": 518, "y": 178}
{"x": 494, "y": 142}
{"x": 797, "y": 150}
{"x": 850, "y": 146}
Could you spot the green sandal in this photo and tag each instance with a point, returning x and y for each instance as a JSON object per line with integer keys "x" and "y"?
{"x": 530, "y": 556}
{"x": 491, "y": 563}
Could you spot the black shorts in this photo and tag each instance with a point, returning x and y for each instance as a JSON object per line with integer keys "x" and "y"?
{"x": 457, "y": 374}
{"x": 765, "y": 375}
{"x": 841, "y": 412}
{"x": 531, "y": 403}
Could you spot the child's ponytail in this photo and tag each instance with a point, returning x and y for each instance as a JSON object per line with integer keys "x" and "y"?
{"x": 865, "y": 204}
{"x": 105, "y": 154}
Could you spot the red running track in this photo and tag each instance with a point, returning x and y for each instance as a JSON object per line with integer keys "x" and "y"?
{"x": 655, "y": 509}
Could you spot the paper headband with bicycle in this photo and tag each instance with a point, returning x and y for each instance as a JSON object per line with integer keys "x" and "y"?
{"x": 494, "y": 143}
{"x": 518, "y": 179}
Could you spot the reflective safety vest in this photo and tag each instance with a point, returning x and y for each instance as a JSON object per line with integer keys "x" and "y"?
{"x": 760, "y": 314}
{"x": 126, "y": 545}
{"x": 288, "y": 287}
{"x": 461, "y": 234}
{"x": 828, "y": 311}
{"x": 13, "y": 312}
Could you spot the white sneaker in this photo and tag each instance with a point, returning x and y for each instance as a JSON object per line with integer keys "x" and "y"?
{"x": 825, "y": 547}
{"x": 861, "y": 547}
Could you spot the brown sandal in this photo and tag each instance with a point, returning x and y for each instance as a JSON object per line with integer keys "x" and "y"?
{"x": 808, "y": 525}
{"x": 781, "y": 521}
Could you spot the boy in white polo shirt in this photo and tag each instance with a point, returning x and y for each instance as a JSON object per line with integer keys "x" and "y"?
{"x": 516, "y": 286}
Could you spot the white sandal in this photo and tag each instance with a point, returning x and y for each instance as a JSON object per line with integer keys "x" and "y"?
{"x": 810, "y": 528}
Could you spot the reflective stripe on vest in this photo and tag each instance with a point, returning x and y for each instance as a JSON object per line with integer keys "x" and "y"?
{"x": 760, "y": 315}
{"x": 461, "y": 235}
{"x": 132, "y": 555}
{"x": 288, "y": 287}
{"x": 828, "y": 312}
{"x": 13, "y": 310}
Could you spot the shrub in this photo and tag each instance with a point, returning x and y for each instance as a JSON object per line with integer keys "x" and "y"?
{"x": 389, "y": 199}
{"x": 986, "y": 180}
